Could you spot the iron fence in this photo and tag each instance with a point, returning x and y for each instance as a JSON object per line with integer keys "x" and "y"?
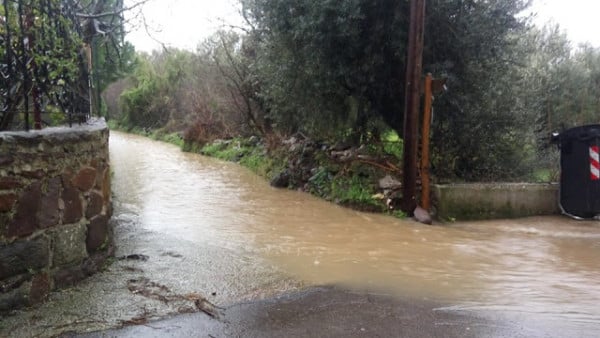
{"x": 43, "y": 71}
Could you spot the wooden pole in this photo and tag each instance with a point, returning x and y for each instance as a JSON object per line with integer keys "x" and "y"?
{"x": 411, "y": 106}
{"x": 425, "y": 188}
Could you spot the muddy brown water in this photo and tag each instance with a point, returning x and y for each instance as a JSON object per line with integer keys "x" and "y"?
{"x": 545, "y": 266}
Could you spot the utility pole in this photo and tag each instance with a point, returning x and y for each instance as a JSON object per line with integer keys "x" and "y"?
{"x": 414, "y": 66}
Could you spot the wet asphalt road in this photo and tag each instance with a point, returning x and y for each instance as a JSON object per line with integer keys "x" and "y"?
{"x": 334, "y": 312}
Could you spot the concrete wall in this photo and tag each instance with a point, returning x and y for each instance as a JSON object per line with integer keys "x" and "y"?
{"x": 54, "y": 210}
{"x": 495, "y": 200}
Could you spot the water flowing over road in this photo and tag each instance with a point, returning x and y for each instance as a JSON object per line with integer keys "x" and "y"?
{"x": 544, "y": 268}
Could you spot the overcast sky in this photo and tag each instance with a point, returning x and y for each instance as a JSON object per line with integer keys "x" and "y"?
{"x": 185, "y": 23}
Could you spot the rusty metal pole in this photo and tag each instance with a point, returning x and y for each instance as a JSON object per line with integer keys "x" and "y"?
{"x": 427, "y": 102}
{"x": 414, "y": 67}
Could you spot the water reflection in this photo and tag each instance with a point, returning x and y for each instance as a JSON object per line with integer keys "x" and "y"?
{"x": 546, "y": 265}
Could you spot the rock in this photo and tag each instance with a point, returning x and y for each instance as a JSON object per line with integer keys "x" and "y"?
{"x": 393, "y": 203}
{"x": 7, "y": 201}
{"x": 97, "y": 232}
{"x": 25, "y": 220}
{"x": 15, "y": 298}
{"x": 422, "y": 215}
{"x": 341, "y": 146}
{"x": 389, "y": 183}
{"x": 6, "y": 159}
{"x": 7, "y": 183}
{"x": 106, "y": 188}
{"x": 85, "y": 179}
{"x": 49, "y": 213}
{"x": 291, "y": 140}
{"x": 68, "y": 277}
{"x": 37, "y": 174}
{"x": 94, "y": 263}
{"x": 73, "y": 208}
{"x": 69, "y": 245}
{"x": 253, "y": 141}
{"x": 343, "y": 156}
{"x": 20, "y": 256}
{"x": 40, "y": 288}
{"x": 281, "y": 180}
{"x": 94, "y": 205}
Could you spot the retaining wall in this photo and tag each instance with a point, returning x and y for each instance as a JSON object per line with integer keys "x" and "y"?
{"x": 54, "y": 210}
{"x": 495, "y": 200}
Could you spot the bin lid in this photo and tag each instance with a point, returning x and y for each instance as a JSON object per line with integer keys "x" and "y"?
{"x": 582, "y": 133}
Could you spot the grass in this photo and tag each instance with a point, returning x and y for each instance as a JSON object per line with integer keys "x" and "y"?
{"x": 544, "y": 176}
{"x": 252, "y": 157}
{"x": 232, "y": 151}
{"x": 156, "y": 134}
{"x": 355, "y": 190}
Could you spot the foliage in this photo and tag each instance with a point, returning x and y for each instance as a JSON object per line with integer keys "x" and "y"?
{"x": 341, "y": 63}
{"x": 44, "y": 52}
{"x": 183, "y": 91}
{"x": 335, "y": 70}
{"x": 481, "y": 123}
{"x": 329, "y": 63}
{"x": 354, "y": 190}
{"x": 392, "y": 144}
{"x": 39, "y": 53}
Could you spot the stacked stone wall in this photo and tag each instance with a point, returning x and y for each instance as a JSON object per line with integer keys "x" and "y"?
{"x": 55, "y": 207}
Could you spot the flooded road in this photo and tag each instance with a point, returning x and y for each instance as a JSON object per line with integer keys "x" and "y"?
{"x": 545, "y": 268}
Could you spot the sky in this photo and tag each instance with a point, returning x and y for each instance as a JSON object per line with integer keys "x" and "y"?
{"x": 185, "y": 23}
{"x": 179, "y": 23}
{"x": 579, "y": 18}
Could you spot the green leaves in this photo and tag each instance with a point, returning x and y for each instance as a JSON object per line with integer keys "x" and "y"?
{"x": 42, "y": 49}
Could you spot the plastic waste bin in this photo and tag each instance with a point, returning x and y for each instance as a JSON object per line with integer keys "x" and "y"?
{"x": 580, "y": 171}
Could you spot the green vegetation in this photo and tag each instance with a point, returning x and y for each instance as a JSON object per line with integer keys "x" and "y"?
{"x": 355, "y": 190}
{"x": 320, "y": 86}
{"x": 52, "y": 50}
{"x": 351, "y": 184}
{"x": 157, "y": 134}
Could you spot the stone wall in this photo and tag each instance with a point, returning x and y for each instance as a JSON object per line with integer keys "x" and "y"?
{"x": 494, "y": 200}
{"x": 54, "y": 210}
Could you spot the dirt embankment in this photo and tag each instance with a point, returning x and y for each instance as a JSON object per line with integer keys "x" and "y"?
{"x": 365, "y": 177}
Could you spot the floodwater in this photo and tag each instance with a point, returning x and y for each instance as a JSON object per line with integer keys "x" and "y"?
{"x": 545, "y": 268}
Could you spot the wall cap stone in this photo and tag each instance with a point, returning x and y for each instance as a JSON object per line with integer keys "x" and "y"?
{"x": 57, "y": 133}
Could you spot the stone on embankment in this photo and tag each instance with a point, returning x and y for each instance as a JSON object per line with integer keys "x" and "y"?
{"x": 389, "y": 183}
{"x": 281, "y": 180}
{"x": 422, "y": 216}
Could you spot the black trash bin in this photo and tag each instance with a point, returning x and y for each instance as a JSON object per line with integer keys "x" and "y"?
{"x": 580, "y": 171}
